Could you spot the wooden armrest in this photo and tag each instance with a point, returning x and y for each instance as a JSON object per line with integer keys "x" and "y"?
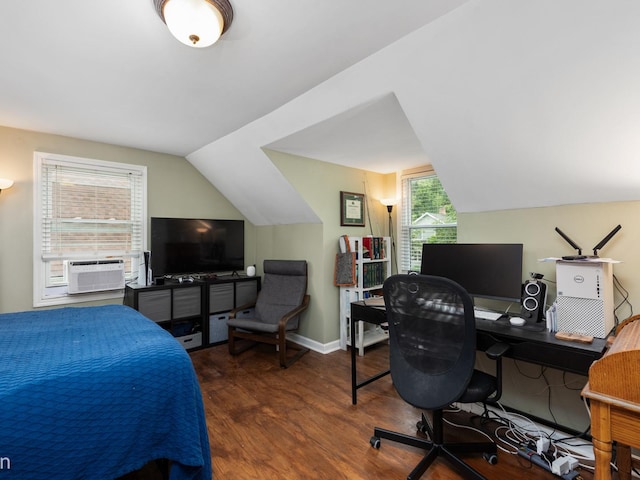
{"x": 295, "y": 312}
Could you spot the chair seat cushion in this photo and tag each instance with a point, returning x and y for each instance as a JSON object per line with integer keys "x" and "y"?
{"x": 480, "y": 387}
{"x": 253, "y": 325}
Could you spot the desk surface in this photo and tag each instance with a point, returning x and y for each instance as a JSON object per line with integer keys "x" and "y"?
{"x": 532, "y": 344}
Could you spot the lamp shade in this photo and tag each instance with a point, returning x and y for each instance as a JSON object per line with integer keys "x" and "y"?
{"x": 197, "y": 23}
{"x": 5, "y": 183}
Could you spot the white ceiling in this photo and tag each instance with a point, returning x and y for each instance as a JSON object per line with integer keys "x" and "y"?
{"x": 111, "y": 71}
{"x": 376, "y": 136}
{"x": 517, "y": 103}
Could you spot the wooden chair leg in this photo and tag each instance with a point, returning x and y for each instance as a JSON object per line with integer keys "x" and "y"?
{"x": 283, "y": 345}
{"x": 282, "y": 351}
{"x": 234, "y": 349}
{"x": 280, "y": 342}
{"x": 231, "y": 340}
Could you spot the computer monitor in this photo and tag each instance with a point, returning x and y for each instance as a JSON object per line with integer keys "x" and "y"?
{"x": 486, "y": 270}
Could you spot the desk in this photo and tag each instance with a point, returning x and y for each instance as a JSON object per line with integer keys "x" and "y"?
{"x": 528, "y": 344}
{"x": 613, "y": 419}
{"x": 614, "y": 394}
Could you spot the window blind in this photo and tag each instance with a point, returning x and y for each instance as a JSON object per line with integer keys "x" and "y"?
{"x": 90, "y": 209}
{"x": 427, "y": 217}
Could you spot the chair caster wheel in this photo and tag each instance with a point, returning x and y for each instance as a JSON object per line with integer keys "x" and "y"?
{"x": 491, "y": 458}
{"x": 375, "y": 442}
{"x": 421, "y": 427}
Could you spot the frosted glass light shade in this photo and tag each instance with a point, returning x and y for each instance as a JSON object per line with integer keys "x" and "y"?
{"x": 5, "y": 183}
{"x": 197, "y": 23}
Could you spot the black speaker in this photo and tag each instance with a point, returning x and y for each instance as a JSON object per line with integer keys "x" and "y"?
{"x": 534, "y": 297}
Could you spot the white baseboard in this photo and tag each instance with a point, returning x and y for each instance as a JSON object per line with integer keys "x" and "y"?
{"x": 323, "y": 348}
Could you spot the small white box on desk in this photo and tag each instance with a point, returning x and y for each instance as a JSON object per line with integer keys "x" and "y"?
{"x": 585, "y": 302}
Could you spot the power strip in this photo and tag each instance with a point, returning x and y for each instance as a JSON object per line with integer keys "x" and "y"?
{"x": 536, "y": 459}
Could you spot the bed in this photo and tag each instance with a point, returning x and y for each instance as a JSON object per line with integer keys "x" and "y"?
{"x": 96, "y": 393}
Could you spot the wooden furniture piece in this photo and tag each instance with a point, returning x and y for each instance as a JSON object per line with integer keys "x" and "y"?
{"x": 276, "y": 311}
{"x": 373, "y": 266}
{"x": 614, "y": 394}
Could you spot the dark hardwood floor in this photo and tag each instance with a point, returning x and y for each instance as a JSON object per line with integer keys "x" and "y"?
{"x": 268, "y": 423}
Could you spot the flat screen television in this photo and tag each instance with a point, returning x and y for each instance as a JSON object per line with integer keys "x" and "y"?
{"x": 182, "y": 246}
{"x": 486, "y": 270}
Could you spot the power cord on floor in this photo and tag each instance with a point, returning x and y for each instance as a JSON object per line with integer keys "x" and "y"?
{"x": 519, "y": 435}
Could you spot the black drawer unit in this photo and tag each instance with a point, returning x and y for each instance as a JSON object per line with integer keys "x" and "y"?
{"x": 195, "y": 313}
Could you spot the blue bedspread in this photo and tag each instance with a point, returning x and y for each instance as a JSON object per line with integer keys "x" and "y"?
{"x": 95, "y": 393}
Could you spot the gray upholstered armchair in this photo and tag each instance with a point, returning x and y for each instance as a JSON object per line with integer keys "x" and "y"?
{"x": 277, "y": 310}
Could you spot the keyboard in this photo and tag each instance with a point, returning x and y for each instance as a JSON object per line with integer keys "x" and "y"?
{"x": 486, "y": 314}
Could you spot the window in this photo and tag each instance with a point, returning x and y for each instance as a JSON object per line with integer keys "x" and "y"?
{"x": 84, "y": 210}
{"x": 427, "y": 216}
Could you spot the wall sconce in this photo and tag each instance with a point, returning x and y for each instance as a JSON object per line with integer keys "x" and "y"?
{"x": 196, "y": 23}
{"x": 5, "y": 183}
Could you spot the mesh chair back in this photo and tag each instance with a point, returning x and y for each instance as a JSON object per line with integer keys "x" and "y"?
{"x": 283, "y": 289}
{"x": 432, "y": 339}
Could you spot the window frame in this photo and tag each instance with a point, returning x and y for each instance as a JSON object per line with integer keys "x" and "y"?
{"x": 44, "y": 295}
{"x": 405, "y": 226}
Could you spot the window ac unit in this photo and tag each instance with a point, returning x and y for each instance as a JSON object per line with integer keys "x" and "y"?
{"x": 95, "y": 276}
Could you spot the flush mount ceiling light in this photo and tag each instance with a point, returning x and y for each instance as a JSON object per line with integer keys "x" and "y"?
{"x": 197, "y": 23}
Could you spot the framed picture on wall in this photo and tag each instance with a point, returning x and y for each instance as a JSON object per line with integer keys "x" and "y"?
{"x": 352, "y": 209}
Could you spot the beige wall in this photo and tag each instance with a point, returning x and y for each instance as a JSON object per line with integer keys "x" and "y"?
{"x": 320, "y": 184}
{"x": 529, "y": 387}
{"x": 175, "y": 188}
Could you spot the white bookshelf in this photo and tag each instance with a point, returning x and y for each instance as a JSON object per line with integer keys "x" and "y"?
{"x": 371, "y": 271}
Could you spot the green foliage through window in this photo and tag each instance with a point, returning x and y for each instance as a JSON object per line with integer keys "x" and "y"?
{"x": 428, "y": 217}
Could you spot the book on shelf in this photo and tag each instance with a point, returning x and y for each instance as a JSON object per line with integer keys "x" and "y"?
{"x": 367, "y": 247}
{"x": 373, "y": 247}
{"x": 373, "y": 274}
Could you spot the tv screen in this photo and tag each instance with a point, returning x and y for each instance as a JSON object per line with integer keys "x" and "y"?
{"x": 190, "y": 246}
{"x": 487, "y": 270}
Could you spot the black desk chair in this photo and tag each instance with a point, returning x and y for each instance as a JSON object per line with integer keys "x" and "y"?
{"x": 432, "y": 343}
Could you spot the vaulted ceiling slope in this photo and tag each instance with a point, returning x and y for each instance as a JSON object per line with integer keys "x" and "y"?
{"x": 110, "y": 71}
{"x": 516, "y": 103}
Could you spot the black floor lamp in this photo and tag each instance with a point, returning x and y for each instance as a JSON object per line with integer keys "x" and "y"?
{"x": 389, "y": 203}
